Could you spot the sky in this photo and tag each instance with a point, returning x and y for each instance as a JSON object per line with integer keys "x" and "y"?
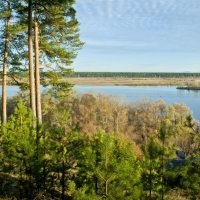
{"x": 139, "y": 35}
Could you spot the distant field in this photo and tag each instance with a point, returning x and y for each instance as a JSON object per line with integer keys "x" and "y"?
{"x": 136, "y": 74}
{"x": 125, "y": 78}
{"x": 189, "y": 81}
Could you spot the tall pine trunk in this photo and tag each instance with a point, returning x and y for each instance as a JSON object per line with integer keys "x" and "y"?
{"x": 5, "y": 63}
{"x": 30, "y": 49}
{"x": 37, "y": 70}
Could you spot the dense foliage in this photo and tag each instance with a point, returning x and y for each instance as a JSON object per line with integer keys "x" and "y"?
{"x": 92, "y": 147}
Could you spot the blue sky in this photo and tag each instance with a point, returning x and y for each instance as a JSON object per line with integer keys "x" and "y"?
{"x": 139, "y": 35}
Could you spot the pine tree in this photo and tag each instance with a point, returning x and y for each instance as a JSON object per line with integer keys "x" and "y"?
{"x": 151, "y": 170}
{"x": 19, "y": 147}
{"x": 11, "y": 46}
{"x": 30, "y": 52}
{"x": 56, "y": 41}
{"x": 5, "y": 61}
{"x": 59, "y": 150}
{"x": 37, "y": 67}
{"x": 189, "y": 175}
{"x": 107, "y": 167}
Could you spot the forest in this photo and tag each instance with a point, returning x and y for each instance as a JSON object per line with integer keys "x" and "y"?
{"x": 93, "y": 147}
{"x": 57, "y": 145}
{"x": 136, "y": 74}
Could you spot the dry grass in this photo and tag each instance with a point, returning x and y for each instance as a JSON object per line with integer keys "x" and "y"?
{"x": 176, "y": 195}
{"x": 136, "y": 81}
{"x": 129, "y": 81}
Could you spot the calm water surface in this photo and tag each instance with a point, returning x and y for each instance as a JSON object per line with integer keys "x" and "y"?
{"x": 134, "y": 93}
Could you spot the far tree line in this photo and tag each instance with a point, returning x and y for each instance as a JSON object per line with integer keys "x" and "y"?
{"x": 136, "y": 74}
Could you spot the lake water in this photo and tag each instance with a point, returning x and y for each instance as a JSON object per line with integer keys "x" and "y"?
{"x": 134, "y": 93}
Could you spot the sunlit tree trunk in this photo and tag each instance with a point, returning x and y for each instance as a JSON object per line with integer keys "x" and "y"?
{"x": 37, "y": 69}
{"x": 30, "y": 49}
{"x": 5, "y": 63}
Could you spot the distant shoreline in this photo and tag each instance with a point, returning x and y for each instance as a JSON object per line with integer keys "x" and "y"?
{"x": 134, "y": 81}
{"x": 188, "y": 88}
{"x": 123, "y": 81}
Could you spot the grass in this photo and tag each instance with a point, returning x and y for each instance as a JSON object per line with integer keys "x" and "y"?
{"x": 136, "y": 81}
{"x": 192, "y": 82}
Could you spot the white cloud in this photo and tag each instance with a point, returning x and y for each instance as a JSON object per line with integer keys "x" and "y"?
{"x": 165, "y": 25}
{"x": 138, "y": 12}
